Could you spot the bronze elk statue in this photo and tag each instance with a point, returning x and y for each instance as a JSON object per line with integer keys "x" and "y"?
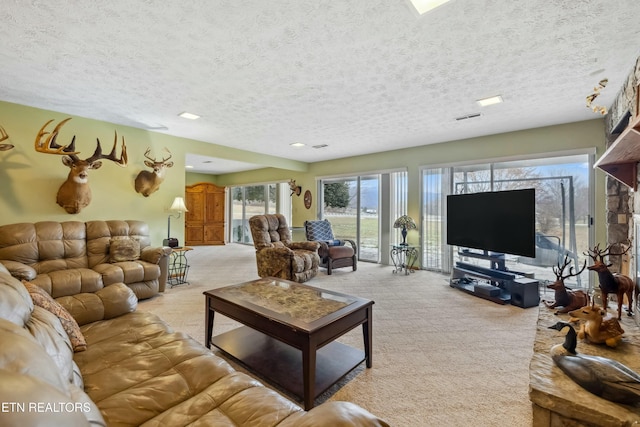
{"x": 568, "y": 299}
{"x": 611, "y": 283}
{"x": 4, "y": 137}
{"x": 75, "y": 194}
{"x": 149, "y": 182}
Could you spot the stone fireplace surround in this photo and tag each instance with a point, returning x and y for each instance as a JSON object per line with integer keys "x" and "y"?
{"x": 556, "y": 399}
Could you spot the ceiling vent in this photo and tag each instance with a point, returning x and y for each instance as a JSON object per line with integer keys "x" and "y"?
{"x": 320, "y": 146}
{"x": 468, "y": 116}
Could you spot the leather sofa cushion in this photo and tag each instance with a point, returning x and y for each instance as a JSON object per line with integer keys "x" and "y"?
{"x": 107, "y": 303}
{"x": 69, "y": 282}
{"x": 15, "y": 303}
{"x": 127, "y": 272}
{"x": 136, "y": 367}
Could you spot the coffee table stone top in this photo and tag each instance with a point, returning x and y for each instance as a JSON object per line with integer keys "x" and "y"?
{"x": 293, "y": 300}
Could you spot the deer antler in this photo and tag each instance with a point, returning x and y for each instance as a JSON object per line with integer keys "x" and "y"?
{"x": 596, "y": 252}
{"x": 3, "y": 134}
{"x": 49, "y": 145}
{"x": 153, "y": 159}
{"x": 122, "y": 161}
{"x": 560, "y": 269}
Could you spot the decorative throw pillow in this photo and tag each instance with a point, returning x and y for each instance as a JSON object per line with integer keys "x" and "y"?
{"x": 124, "y": 250}
{"x": 42, "y": 299}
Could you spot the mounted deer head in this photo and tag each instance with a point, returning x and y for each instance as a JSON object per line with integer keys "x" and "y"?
{"x": 149, "y": 182}
{"x": 295, "y": 189}
{"x": 75, "y": 194}
{"x": 3, "y": 137}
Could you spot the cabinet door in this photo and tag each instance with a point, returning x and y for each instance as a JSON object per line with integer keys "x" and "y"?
{"x": 204, "y": 223}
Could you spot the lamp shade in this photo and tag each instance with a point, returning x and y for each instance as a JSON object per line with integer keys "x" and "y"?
{"x": 178, "y": 205}
{"x": 405, "y": 222}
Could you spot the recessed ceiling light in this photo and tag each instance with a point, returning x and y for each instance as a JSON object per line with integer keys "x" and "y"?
{"x": 489, "y": 101}
{"x": 424, "y": 6}
{"x": 189, "y": 116}
{"x": 297, "y": 144}
{"x": 188, "y": 167}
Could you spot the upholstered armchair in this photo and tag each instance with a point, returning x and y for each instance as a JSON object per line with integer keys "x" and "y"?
{"x": 334, "y": 253}
{"x": 277, "y": 255}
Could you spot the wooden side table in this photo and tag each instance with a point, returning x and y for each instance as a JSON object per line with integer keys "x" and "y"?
{"x": 178, "y": 266}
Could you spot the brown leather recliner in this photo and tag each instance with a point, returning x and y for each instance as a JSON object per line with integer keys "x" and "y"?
{"x": 277, "y": 255}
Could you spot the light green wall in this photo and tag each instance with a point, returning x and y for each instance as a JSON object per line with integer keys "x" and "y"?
{"x": 557, "y": 139}
{"x": 29, "y": 180}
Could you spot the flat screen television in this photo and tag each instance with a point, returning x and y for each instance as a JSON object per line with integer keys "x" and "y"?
{"x": 497, "y": 221}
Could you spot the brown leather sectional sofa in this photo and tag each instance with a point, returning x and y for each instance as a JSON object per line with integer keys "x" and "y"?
{"x": 66, "y": 258}
{"x": 135, "y": 371}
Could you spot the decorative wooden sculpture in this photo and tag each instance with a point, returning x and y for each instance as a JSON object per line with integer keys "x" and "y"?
{"x": 3, "y": 137}
{"x": 75, "y": 194}
{"x": 601, "y": 376}
{"x": 597, "y": 328}
{"x": 295, "y": 189}
{"x": 568, "y": 299}
{"x": 149, "y": 182}
{"x": 611, "y": 283}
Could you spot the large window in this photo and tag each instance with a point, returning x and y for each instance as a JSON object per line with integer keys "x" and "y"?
{"x": 251, "y": 200}
{"x": 563, "y": 209}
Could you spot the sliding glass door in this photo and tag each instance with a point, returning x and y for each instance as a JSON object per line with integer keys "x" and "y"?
{"x": 563, "y": 209}
{"x": 363, "y": 208}
{"x": 351, "y": 204}
{"x": 251, "y": 200}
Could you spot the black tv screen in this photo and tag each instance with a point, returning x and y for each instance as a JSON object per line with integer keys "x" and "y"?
{"x": 498, "y": 221}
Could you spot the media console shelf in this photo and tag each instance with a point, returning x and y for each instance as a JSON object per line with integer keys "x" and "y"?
{"x": 494, "y": 283}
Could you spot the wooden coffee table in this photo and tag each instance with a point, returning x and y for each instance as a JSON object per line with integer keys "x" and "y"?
{"x": 290, "y": 332}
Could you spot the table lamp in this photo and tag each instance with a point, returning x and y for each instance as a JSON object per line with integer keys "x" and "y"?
{"x": 406, "y": 223}
{"x": 179, "y": 207}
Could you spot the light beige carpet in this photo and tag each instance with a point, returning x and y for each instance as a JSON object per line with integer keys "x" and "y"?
{"x": 440, "y": 357}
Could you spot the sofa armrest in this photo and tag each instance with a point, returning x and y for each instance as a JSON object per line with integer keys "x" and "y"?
{"x": 334, "y": 414}
{"x": 160, "y": 256}
{"x": 107, "y": 303}
{"x": 154, "y": 254}
{"x": 309, "y": 246}
{"x": 19, "y": 270}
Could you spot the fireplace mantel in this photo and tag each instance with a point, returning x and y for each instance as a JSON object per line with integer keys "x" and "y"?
{"x": 621, "y": 158}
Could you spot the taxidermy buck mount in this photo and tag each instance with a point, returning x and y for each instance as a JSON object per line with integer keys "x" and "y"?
{"x": 149, "y": 182}
{"x": 75, "y": 194}
{"x": 295, "y": 189}
{"x": 3, "y": 137}
{"x": 611, "y": 283}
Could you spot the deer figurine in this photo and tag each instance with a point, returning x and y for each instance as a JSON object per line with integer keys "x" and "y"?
{"x": 597, "y": 328}
{"x": 566, "y": 298}
{"x": 149, "y": 182}
{"x": 75, "y": 194}
{"x": 611, "y": 283}
{"x": 3, "y": 137}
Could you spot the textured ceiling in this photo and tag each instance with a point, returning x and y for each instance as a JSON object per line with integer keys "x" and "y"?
{"x": 358, "y": 75}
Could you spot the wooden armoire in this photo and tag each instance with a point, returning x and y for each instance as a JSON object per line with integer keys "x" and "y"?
{"x": 204, "y": 223}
